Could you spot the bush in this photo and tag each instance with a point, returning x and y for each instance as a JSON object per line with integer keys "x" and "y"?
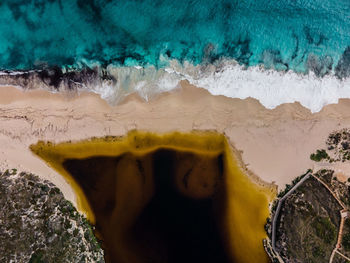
{"x": 318, "y": 252}
{"x": 346, "y": 241}
{"x": 36, "y": 257}
{"x": 324, "y": 229}
{"x": 294, "y": 182}
{"x": 347, "y": 223}
{"x": 319, "y": 155}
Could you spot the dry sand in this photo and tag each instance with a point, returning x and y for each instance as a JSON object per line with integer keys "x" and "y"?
{"x": 275, "y": 144}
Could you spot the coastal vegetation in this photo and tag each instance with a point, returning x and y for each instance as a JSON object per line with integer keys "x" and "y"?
{"x": 146, "y": 177}
{"x": 319, "y": 155}
{"x": 339, "y": 259}
{"x": 41, "y": 225}
{"x": 313, "y": 224}
{"x": 324, "y": 229}
{"x": 338, "y": 148}
{"x": 308, "y": 223}
{"x": 345, "y": 248}
{"x": 338, "y": 143}
{"x": 294, "y": 182}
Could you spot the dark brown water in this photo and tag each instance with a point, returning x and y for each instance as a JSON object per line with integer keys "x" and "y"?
{"x": 165, "y": 206}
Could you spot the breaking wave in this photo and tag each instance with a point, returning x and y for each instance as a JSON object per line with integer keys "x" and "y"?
{"x": 227, "y": 78}
{"x": 224, "y": 77}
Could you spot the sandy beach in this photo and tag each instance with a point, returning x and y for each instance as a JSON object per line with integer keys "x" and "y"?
{"x": 274, "y": 144}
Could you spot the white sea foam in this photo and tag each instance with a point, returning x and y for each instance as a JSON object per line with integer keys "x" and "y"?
{"x": 147, "y": 82}
{"x": 227, "y": 78}
{"x": 273, "y": 88}
{"x": 15, "y": 73}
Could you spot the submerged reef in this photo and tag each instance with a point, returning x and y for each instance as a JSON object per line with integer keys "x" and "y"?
{"x": 177, "y": 197}
{"x": 37, "y": 224}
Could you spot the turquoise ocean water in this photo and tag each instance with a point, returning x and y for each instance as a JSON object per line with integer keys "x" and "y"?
{"x": 276, "y": 51}
{"x": 281, "y": 34}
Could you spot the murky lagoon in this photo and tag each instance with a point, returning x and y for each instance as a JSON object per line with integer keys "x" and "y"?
{"x": 176, "y": 197}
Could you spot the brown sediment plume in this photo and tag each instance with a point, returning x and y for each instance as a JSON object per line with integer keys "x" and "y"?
{"x": 176, "y": 197}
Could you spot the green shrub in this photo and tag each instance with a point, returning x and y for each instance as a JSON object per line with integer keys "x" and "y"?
{"x": 347, "y": 223}
{"x": 319, "y": 155}
{"x": 346, "y": 241}
{"x": 318, "y": 252}
{"x": 324, "y": 229}
{"x": 36, "y": 257}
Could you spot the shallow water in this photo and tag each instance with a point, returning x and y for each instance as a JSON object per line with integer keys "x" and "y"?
{"x": 173, "y": 197}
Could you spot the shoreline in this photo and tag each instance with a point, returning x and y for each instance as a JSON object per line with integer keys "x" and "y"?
{"x": 225, "y": 77}
{"x": 273, "y": 144}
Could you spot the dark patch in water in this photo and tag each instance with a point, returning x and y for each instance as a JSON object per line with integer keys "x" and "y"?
{"x": 308, "y": 34}
{"x": 272, "y": 59}
{"x": 322, "y": 39}
{"x": 52, "y": 76}
{"x": 209, "y": 54}
{"x": 186, "y": 226}
{"x": 320, "y": 66}
{"x": 239, "y": 50}
{"x": 342, "y": 70}
{"x": 91, "y": 10}
{"x": 296, "y": 50}
{"x": 314, "y": 37}
{"x": 171, "y": 227}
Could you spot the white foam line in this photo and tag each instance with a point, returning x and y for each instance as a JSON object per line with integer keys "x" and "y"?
{"x": 274, "y": 88}
{"x": 227, "y": 78}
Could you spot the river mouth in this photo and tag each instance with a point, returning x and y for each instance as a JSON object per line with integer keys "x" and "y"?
{"x": 165, "y": 198}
